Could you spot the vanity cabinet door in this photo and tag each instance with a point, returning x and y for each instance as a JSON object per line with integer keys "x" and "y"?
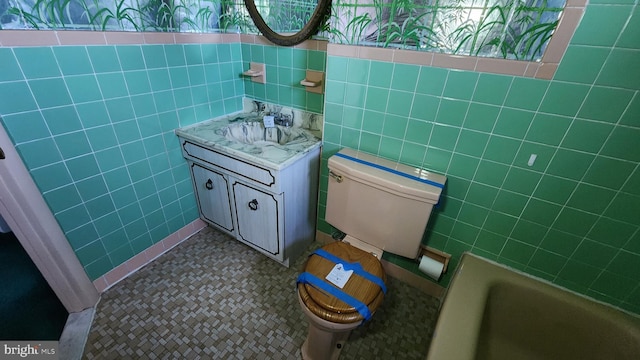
{"x": 213, "y": 196}
{"x": 257, "y": 215}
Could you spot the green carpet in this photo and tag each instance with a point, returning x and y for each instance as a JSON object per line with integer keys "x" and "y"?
{"x": 29, "y": 309}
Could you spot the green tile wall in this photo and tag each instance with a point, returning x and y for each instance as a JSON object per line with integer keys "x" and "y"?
{"x": 94, "y": 126}
{"x": 285, "y": 67}
{"x": 574, "y": 216}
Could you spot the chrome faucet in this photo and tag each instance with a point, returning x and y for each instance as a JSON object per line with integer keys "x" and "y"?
{"x": 283, "y": 119}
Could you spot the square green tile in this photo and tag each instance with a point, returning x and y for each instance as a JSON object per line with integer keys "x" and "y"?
{"x": 133, "y": 151}
{"x": 413, "y": 154}
{"x": 104, "y": 58}
{"x": 513, "y": 122}
{"x": 625, "y": 207}
{"x": 98, "y": 267}
{"x": 405, "y": 77}
{"x": 352, "y": 117}
{"x": 432, "y": 80}
{"x": 464, "y": 233}
{"x": 588, "y": 32}
{"x": 418, "y": 131}
{"x": 564, "y": 98}
{"x": 437, "y": 159}
{"x": 481, "y": 117}
{"x": 632, "y": 185}
{"x": 300, "y": 58}
{"x": 81, "y": 236}
{"x": 570, "y": 164}
{"x": 82, "y": 167}
{"x": 37, "y": 62}
{"x": 9, "y": 68}
{"x": 472, "y": 143}
{"x": 73, "y": 217}
{"x": 112, "y": 85}
{"x": 26, "y": 126}
{"x": 548, "y": 129}
{"x": 154, "y": 56}
{"x": 62, "y": 198}
{"x": 521, "y": 181}
{"x": 109, "y": 159}
{"x": 399, "y": 103}
{"x": 452, "y": 112}
{"x": 193, "y": 54}
{"x": 605, "y": 104}
{"x": 517, "y": 251}
{"x": 137, "y": 82}
{"x": 336, "y": 66}
{"x": 526, "y": 93}
{"x": 120, "y": 109}
{"x": 491, "y": 173}
{"x": 73, "y": 60}
{"x": 83, "y": 88}
{"x": 491, "y": 88}
{"x": 616, "y": 286}
{"x": 131, "y": 57}
{"x": 62, "y": 119}
{"x": 441, "y": 224}
{"x": 594, "y": 253}
{"x": 543, "y": 154}
{"x": 457, "y": 188}
{"x": 144, "y": 105}
{"x": 490, "y": 242}
{"x": 529, "y": 232}
{"x": 91, "y": 188}
{"x": 622, "y": 143}
{"x": 481, "y": 195}
{"x": 350, "y": 138}
{"x": 631, "y": 116}
{"x": 547, "y": 261}
{"x": 586, "y": 135}
{"x": 581, "y": 64}
{"x": 574, "y": 221}
{"x": 39, "y": 153}
{"x": 501, "y": 149}
{"x": 591, "y": 198}
{"x": 611, "y": 232}
{"x": 90, "y": 252}
{"x": 355, "y": 95}
{"x": 560, "y": 242}
{"x": 99, "y": 206}
{"x": 460, "y": 84}
{"x": 380, "y": 74}
{"x": 473, "y": 215}
{"x": 425, "y": 107}
{"x": 51, "y": 176}
{"x": 50, "y": 92}
{"x": 463, "y": 166}
{"x": 509, "y": 203}
{"x": 625, "y": 264}
{"x": 16, "y": 97}
{"x": 395, "y": 126}
{"x": 541, "y": 212}
{"x": 554, "y": 189}
{"x": 390, "y": 148}
{"x": 358, "y": 71}
{"x": 450, "y": 207}
{"x": 116, "y": 179}
{"x": 611, "y": 74}
{"x": 377, "y": 99}
{"x": 444, "y": 137}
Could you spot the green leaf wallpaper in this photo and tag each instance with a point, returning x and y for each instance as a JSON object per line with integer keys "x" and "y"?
{"x": 510, "y": 29}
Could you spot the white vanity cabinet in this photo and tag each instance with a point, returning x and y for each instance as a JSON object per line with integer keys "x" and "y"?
{"x": 272, "y": 210}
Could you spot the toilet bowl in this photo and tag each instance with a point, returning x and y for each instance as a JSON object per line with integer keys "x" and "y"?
{"x": 330, "y": 318}
{"x": 381, "y": 206}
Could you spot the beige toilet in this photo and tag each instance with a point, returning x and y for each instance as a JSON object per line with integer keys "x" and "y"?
{"x": 381, "y": 206}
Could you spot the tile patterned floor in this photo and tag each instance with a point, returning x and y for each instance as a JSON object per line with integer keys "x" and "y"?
{"x": 212, "y": 297}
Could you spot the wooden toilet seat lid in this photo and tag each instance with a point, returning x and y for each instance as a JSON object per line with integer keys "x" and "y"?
{"x": 329, "y": 307}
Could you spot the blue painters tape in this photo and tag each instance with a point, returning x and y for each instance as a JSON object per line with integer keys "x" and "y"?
{"x": 307, "y": 278}
{"x": 356, "y": 267}
{"x": 393, "y": 171}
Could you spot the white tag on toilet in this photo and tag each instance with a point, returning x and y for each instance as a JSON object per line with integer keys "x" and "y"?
{"x": 338, "y": 276}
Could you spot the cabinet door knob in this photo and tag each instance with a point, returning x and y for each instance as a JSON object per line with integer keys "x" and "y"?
{"x": 253, "y": 204}
{"x": 209, "y": 184}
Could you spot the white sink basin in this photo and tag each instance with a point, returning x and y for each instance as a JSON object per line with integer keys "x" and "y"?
{"x": 254, "y": 133}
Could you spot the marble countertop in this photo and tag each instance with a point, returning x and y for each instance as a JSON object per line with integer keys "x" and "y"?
{"x": 211, "y": 134}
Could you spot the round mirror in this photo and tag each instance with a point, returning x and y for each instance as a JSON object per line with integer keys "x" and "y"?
{"x": 283, "y": 19}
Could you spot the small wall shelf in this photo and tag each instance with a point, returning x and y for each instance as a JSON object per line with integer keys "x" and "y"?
{"x": 314, "y": 82}
{"x": 257, "y": 72}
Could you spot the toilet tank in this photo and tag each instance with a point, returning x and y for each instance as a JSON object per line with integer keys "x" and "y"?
{"x": 380, "y": 202}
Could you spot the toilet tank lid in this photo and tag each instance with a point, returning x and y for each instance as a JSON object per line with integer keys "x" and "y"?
{"x": 397, "y": 177}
